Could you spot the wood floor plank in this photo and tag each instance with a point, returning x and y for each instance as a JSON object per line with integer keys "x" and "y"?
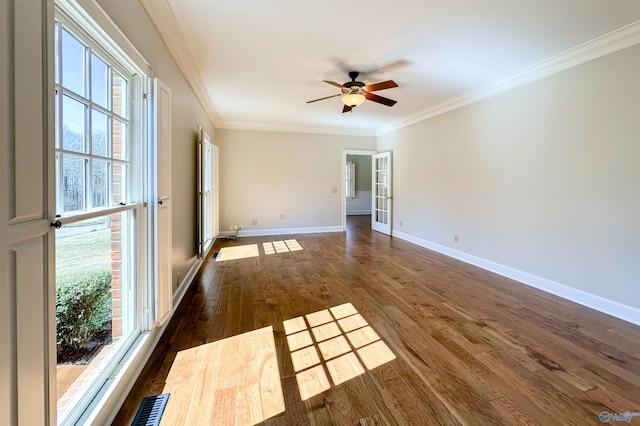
{"x": 470, "y": 347}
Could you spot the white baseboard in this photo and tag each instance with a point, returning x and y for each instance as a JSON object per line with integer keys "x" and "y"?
{"x": 609, "y": 307}
{"x": 282, "y": 231}
{"x": 184, "y": 284}
{"x": 113, "y": 398}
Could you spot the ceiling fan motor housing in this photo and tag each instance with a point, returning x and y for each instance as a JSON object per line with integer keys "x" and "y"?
{"x": 353, "y": 84}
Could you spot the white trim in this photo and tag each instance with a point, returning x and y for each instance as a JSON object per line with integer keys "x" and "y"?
{"x": 282, "y": 231}
{"x": 162, "y": 16}
{"x": 106, "y": 409}
{"x": 606, "y": 44}
{"x": 290, "y": 128}
{"x": 609, "y": 307}
{"x": 182, "y": 288}
{"x": 90, "y": 16}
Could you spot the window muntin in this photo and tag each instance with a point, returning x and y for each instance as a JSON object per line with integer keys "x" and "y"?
{"x": 99, "y": 177}
{"x": 93, "y": 126}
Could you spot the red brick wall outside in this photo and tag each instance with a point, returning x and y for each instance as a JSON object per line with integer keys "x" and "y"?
{"x": 117, "y": 189}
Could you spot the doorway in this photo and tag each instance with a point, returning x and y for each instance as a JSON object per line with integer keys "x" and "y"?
{"x": 357, "y": 184}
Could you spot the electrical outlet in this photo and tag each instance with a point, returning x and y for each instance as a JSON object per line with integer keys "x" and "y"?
{"x": 334, "y": 190}
{"x": 400, "y": 223}
{"x": 283, "y": 216}
{"x": 455, "y": 238}
{"x": 179, "y": 279}
{"x": 230, "y": 227}
{"x": 254, "y": 221}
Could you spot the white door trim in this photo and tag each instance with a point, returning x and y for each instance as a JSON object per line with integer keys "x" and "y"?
{"x": 346, "y": 152}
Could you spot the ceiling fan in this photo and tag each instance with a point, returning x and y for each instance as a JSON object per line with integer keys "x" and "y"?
{"x": 354, "y": 92}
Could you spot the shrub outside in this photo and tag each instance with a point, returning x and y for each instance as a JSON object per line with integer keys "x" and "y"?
{"x": 83, "y": 307}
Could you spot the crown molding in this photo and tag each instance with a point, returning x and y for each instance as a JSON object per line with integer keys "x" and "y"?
{"x": 166, "y": 24}
{"x": 606, "y": 44}
{"x": 288, "y": 128}
{"x": 164, "y": 19}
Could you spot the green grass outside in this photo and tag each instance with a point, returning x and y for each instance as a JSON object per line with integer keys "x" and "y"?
{"x": 83, "y": 252}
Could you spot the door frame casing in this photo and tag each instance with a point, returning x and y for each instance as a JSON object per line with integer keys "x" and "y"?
{"x": 345, "y": 152}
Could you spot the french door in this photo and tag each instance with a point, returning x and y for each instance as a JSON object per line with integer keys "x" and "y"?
{"x": 208, "y": 189}
{"x": 381, "y": 178}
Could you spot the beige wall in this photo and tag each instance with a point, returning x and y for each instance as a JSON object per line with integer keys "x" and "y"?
{"x": 264, "y": 174}
{"x": 363, "y": 171}
{"x": 187, "y": 114}
{"x": 544, "y": 178}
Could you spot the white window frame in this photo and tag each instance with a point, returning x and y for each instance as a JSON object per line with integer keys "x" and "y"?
{"x": 350, "y": 179}
{"x": 87, "y": 18}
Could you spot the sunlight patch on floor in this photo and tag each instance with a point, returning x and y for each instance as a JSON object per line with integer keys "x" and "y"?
{"x": 337, "y": 340}
{"x": 238, "y": 252}
{"x": 285, "y": 246}
{"x": 233, "y": 381}
{"x": 251, "y": 250}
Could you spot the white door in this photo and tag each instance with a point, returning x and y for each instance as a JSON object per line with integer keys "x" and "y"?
{"x": 215, "y": 191}
{"x": 163, "y": 265}
{"x": 208, "y": 223}
{"x": 205, "y": 192}
{"x": 381, "y": 208}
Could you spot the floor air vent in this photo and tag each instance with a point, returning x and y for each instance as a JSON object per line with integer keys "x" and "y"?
{"x": 150, "y": 410}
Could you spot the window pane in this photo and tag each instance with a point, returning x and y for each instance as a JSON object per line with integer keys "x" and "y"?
{"x": 99, "y": 133}
{"x": 73, "y": 63}
{"x": 94, "y": 299}
{"x": 119, "y": 180}
{"x": 56, "y": 49}
{"x": 120, "y": 95}
{"x": 59, "y": 197}
{"x": 119, "y": 135}
{"x": 73, "y": 175}
{"x": 100, "y": 183}
{"x": 99, "y": 82}
{"x": 73, "y": 124}
{"x": 57, "y": 120}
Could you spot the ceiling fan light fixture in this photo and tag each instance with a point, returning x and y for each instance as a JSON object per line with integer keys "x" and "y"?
{"x": 353, "y": 98}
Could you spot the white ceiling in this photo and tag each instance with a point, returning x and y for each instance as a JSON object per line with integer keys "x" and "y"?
{"x": 257, "y": 62}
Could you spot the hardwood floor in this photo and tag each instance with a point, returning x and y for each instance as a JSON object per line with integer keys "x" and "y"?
{"x": 470, "y": 347}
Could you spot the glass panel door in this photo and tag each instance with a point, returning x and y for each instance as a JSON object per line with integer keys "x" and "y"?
{"x": 381, "y": 215}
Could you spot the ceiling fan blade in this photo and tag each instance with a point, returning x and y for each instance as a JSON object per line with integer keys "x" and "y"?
{"x": 380, "y": 99}
{"x": 322, "y": 99}
{"x": 346, "y": 108}
{"x": 380, "y": 86}
{"x": 335, "y": 84}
